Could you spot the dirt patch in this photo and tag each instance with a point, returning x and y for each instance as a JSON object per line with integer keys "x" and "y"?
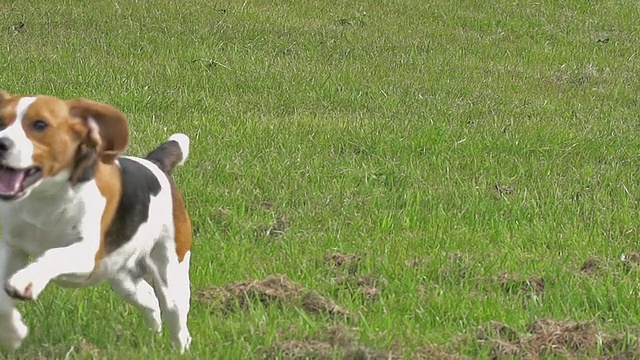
{"x": 417, "y": 263}
{"x": 591, "y": 267}
{"x": 274, "y": 289}
{"x": 313, "y": 302}
{"x": 548, "y": 338}
{"x": 346, "y": 262}
{"x": 433, "y": 352}
{"x": 267, "y": 205}
{"x": 513, "y": 284}
{"x": 344, "y": 272}
{"x": 368, "y": 286}
{"x": 458, "y": 267}
{"x": 221, "y": 218}
{"x": 498, "y": 330}
{"x": 295, "y": 349}
{"x": 575, "y": 76}
{"x": 626, "y": 264}
{"x": 330, "y": 343}
{"x": 502, "y": 190}
{"x": 339, "y": 342}
{"x": 630, "y": 261}
{"x": 276, "y": 228}
{"x": 82, "y": 349}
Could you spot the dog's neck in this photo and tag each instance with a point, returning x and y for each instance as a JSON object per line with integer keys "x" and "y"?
{"x": 85, "y": 164}
{"x": 53, "y": 189}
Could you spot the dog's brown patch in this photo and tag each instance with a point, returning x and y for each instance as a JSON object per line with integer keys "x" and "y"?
{"x": 182, "y": 223}
{"x": 108, "y": 180}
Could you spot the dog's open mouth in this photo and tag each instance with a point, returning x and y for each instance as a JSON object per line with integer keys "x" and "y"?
{"x": 14, "y": 182}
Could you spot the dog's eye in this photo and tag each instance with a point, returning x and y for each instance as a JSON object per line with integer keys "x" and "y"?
{"x": 39, "y": 125}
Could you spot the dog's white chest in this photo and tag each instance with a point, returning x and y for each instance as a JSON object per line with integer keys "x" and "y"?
{"x": 37, "y": 227}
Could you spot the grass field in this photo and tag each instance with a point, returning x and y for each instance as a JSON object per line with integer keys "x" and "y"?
{"x": 457, "y": 178}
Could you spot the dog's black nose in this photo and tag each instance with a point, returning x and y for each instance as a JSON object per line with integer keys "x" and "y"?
{"x": 6, "y": 144}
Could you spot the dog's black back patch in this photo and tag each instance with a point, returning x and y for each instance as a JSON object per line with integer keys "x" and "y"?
{"x": 139, "y": 184}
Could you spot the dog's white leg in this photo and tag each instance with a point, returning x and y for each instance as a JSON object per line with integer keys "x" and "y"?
{"x": 171, "y": 284}
{"x": 78, "y": 258}
{"x": 139, "y": 293}
{"x": 183, "y": 293}
{"x": 12, "y": 328}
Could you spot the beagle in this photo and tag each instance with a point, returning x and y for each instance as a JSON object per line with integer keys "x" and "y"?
{"x": 85, "y": 214}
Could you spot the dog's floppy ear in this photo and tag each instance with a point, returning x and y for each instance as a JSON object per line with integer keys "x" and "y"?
{"x": 106, "y": 127}
{"x": 4, "y": 96}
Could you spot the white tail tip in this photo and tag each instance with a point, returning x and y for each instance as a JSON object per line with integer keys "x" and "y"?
{"x": 183, "y": 141}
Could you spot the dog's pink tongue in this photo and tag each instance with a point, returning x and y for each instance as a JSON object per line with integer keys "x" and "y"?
{"x": 10, "y": 180}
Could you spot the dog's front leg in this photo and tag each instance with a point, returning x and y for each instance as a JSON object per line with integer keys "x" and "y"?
{"x": 77, "y": 258}
{"x": 12, "y": 329}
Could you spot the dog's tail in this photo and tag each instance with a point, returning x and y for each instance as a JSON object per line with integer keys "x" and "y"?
{"x": 172, "y": 153}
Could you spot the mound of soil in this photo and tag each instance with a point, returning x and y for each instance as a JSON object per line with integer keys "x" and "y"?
{"x": 277, "y": 227}
{"x": 339, "y": 342}
{"x": 591, "y": 267}
{"x": 344, "y": 271}
{"x": 81, "y": 349}
{"x": 348, "y": 262}
{"x": 514, "y": 284}
{"x": 330, "y": 343}
{"x": 548, "y": 338}
{"x": 274, "y": 289}
{"x": 369, "y": 286}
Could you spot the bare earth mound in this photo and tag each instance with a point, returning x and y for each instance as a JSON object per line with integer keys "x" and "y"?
{"x": 344, "y": 271}
{"x": 274, "y": 289}
{"x": 335, "y": 342}
{"x": 546, "y": 338}
{"x": 339, "y": 342}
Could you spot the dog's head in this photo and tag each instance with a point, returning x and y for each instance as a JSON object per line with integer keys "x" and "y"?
{"x": 44, "y": 138}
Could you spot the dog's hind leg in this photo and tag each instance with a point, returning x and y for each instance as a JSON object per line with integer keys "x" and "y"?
{"x": 138, "y": 292}
{"x": 171, "y": 284}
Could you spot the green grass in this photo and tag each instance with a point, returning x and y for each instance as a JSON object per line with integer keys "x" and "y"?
{"x": 378, "y": 128}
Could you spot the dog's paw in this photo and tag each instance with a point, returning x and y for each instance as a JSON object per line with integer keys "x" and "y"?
{"x": 12, "y": 331}
{"x": 154, "y": 321}
{"x": 183, "y": 342}
{"x": 21, "y": 287}
{"x": 25, "y": 294}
